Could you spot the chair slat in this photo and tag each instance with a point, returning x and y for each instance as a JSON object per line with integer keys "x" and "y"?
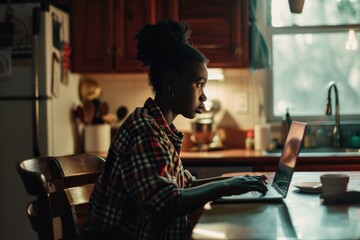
{"x": 62, "y": 187}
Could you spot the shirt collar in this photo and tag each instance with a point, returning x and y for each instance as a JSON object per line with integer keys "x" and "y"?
{"x": 171, "y": 131}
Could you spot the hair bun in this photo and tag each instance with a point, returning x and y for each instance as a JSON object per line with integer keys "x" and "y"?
{"x": 153, "y": 41}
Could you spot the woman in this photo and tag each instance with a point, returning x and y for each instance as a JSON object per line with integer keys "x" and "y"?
{"x": 144, "y": 192}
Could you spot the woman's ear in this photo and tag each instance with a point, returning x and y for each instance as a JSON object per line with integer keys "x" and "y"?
{"x": 171, "y": 79}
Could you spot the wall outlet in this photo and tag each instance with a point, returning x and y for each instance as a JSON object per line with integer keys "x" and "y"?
{"x": 241, "y": 102}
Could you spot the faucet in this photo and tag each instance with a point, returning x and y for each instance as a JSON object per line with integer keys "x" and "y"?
{"x": 336, "y": 130}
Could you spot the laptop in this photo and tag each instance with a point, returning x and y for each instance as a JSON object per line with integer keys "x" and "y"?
{"x": 279, "y": 187}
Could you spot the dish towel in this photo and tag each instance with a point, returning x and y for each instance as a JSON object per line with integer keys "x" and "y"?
{"x": 258, "y": 52}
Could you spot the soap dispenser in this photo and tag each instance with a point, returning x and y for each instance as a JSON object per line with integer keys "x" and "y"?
{"x": 286, "y": 122}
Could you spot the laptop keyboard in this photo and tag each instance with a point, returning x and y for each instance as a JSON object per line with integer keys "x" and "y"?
{"x": 255, "y": 194}
{"x": 271, "y": 194}
{"x": 258, "y": 194}
{"x": 251, "y": 194}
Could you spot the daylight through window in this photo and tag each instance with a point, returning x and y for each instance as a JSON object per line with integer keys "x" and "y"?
{"x": 309, "y": 50}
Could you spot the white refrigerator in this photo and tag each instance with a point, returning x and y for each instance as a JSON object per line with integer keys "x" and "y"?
{"x": 37, "y": 98}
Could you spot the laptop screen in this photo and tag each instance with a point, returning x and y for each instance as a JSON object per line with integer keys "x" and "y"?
{"x": 288, "y": 157}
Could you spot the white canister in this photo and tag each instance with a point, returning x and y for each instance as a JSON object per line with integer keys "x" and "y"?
{"x": 262, "y": 136}
{"x": 97, "y": 138}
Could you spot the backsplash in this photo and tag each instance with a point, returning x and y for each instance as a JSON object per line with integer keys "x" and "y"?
{"x": 131, "y": 90}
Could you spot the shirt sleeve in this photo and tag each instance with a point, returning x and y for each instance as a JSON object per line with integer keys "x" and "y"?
{"x": 189, "y": 178}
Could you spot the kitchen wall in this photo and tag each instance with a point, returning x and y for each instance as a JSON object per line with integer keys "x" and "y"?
{"x": 131, "y": 90}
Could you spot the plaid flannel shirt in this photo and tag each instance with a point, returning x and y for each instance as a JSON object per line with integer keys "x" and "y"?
{"x": 136, "y": 195}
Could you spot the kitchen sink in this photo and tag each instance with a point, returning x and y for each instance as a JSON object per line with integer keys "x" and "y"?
{"x": 330, "y": 149}
{"x": 322, "y": 150}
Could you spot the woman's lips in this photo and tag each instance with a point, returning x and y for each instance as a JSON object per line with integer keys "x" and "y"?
{"x": 200, "y": 108}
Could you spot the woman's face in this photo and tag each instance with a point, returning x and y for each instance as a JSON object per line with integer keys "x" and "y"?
{"x": 189, "y": 96}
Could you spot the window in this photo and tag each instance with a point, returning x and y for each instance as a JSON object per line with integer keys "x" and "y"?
{"x": 309, "y": 50}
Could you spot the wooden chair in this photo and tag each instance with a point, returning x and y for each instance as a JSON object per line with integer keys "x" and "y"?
{"x": 62, "y": 187}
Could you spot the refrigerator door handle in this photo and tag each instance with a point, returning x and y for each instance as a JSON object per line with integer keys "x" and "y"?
{"x": 35, "y": 49}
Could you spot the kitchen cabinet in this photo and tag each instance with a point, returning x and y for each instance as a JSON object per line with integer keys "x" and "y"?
{"x": 102, "y": 34}
{"x": 219, "y": 28}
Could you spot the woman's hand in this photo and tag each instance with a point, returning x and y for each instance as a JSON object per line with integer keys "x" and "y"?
{"x": 243, "y": 184}
{"x": 195, "y": 197}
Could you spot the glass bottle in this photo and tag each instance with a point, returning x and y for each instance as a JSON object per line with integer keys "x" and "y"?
{"x": 249, "y": 141}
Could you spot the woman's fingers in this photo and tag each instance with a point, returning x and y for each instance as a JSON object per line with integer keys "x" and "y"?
{"x": 262, "y": 185}
{"x": 260, "y": 189}
{"x": 252, "y": 183}
{"x": 263, "y": 178}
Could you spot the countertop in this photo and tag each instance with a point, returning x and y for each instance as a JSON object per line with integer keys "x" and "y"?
{"x": 264, "y": 161}
{"x": 253, "y": 155}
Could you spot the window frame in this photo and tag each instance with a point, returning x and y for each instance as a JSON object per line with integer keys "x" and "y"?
{"x": 268, "y": 89}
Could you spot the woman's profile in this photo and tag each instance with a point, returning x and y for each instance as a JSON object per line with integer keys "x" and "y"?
{"x": 144, "y": 191}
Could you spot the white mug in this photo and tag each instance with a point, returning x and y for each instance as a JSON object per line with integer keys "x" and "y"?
{"x": 334, "y": 183}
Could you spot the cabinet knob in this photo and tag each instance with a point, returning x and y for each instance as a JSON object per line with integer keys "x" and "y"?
{"x": 113, "y": 50}
{"x": 117, "y": 50}
{"x": 109, "y": 50}
{"x": 237, "y": 51}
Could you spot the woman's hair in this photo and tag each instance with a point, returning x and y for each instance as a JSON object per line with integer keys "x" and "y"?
{"x": 164, "y": 47}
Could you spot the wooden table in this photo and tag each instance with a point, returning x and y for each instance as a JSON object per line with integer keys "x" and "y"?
{"x": 299, "y": 216}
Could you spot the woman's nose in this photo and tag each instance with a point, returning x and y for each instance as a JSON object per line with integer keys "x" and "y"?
{"x": 203, "y": 98}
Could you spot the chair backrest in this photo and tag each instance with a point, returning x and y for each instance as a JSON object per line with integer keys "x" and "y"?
{"x": 62, "y": 186}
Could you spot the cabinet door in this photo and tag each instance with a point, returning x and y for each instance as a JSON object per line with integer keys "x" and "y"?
{"x": 219, "y": 28}
{"x": 130, "y": 16}
{"x": 92, "y": 35}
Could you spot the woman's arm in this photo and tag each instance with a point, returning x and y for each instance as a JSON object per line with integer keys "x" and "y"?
{"x": 197, "y": 196}
{"x": 198, "y": 182}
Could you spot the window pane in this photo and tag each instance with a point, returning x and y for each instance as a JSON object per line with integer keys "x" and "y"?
{"x": 304, "y": 64}
{"x": 316, "y": 12}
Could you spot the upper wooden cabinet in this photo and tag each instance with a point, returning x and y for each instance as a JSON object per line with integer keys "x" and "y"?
{"x": 102, "y": 32}
{"x": 219, "y": 28}
{"x": 130, "y": 17}
{"x": 92, "y": 35}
